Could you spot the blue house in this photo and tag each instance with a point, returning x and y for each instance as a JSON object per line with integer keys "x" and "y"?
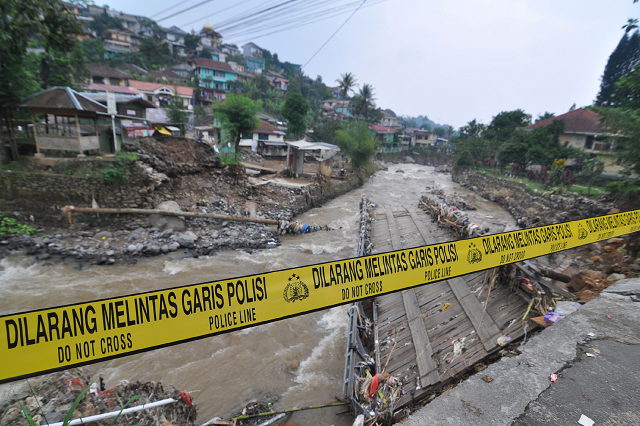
{"x": 216, "y": 78}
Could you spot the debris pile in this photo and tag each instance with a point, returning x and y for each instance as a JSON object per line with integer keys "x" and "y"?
{"x": 365, "y": 245}
{"x": 297, "y": 228}
{"x": 251, "y": 157}
{"x": 378, "y": 396}
{"x": 50, "y": 401}
{"x": 450, "y": 217}
{"x": 452, "y": 200}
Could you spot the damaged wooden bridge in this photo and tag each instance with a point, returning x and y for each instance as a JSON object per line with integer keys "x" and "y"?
{"x": 428, "y": 335}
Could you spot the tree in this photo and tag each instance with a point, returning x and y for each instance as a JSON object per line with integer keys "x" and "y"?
{"x": 21, "y": 20}
{"x": 295, "y": 112}
{"x": 346, "y": 83}
{"x": 423, "y": 126}
{"x": 545, "y": 116}
{"x": 440, "y": 131}
{"x": 573, "y": 107}
{"x": 326, "y": 132}
{"x": 237, "y": 114}
{"x": 364, "y": 102}
{"x": 356, "y": 144}
{"x": 503, "y": 126}
{"x": 621, "y": 62}
{"x": 191, "y": 42}
{"x": 152, "y": 54}
{"x": 473, "y": 129}
{"x": 177, "y": 115}
{"x": 93, "y": 50}
{"x": 591, "y": 171}
{"x": 103, "y": 22}
{"x": 632, "y": 24}
{"x": 390, "y": 112}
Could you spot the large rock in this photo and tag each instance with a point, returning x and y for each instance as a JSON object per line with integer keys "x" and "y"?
{"x": 408, "y": 159}
{"x": 185, "y": 240}
{"x": 167, "y": 222}
{"x": 103, "y": 234}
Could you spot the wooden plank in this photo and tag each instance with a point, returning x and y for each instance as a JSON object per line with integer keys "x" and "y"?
{"x": 426, "y": 235}
{"x": 393, "y": 229}
{"x": 424, "y": 352}
{"x": 483, "y": 323}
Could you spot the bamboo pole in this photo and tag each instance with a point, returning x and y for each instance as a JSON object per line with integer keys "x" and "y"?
{"x": 72, "y": 209}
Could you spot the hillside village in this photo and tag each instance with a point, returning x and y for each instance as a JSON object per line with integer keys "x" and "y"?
{"x": 168, "y": 81}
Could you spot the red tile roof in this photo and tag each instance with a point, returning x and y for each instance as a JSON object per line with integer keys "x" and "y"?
{"x": 379, "y": 128}
{"x": 577, "y": 121}
{"x": 210, "y": 63}
{"x": 150, "y": 87}
{"x": 265, "y": 127}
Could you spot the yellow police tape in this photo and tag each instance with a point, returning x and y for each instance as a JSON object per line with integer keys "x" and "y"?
{"x": 45, "y": 340}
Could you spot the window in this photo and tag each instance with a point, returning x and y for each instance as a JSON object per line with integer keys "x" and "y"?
{"x": 219, "y": 74}
{"x": 589, "y": 142}
{"x": 263, "y": 136}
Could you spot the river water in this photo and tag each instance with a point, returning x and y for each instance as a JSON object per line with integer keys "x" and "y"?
{"x": 299, "y": 360}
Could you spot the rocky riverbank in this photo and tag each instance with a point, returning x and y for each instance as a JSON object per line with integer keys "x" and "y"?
{"x": 177, "y": 175}
{"x": 527, "y": 207}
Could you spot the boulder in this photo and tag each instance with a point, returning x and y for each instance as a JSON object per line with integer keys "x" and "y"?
{"x": 184, "y": 240}
{"x": 103, "y": 234}
{"x": 131, "y": 248}
{"x": 154, "y": 250}
{"x": 174, "y": 246}
{"x": 408, "y": 159}
{"x": 167, "y": 222}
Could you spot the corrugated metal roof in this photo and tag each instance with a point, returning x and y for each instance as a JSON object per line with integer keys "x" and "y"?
{"x": 313, "y": 146}
{"x": 62, "y": 98}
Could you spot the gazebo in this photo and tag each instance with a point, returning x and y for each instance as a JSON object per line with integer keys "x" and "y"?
{"x": 65, "y": 132}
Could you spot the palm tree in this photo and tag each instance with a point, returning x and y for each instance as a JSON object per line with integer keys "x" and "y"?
{"x": 632, "y": 24}
{"x": 346, "y": 83}
{"x": 364, "y": 101}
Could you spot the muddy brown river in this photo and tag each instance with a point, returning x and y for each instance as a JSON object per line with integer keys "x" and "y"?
{"x": 299, "y": 360}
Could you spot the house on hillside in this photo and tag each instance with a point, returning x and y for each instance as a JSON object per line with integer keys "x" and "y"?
{"x": 104, "y": 74}
{"x": 332, "y": 108}
{"x": 390, "y": 120}
{"x": 385, "y": 137}
{"x": 216, "y": 78}
{"x": 161, "y": 94}
{"x": 210, "y": 38}
{"x": 582, "y": 130}
{"x": 266, "y": 140}
{"x": 255, "y": 61}
{"x": 277, "y": 80}
{"x": 424, "y": 138}
{"x": 174, "y": 37}
{"x": 184, "y": 69}
{"x": 230, "y": 49}
{"x": 120, "y": 41}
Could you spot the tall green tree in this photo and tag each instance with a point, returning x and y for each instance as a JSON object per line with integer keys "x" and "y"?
{"x": 51, "y": 23}
{"x": 632, "y": 24}
{"x": 295, "y": 112}
{"x": 364, "y": 102}
{"x": 356, "y": 144}
{"x": 545, "y": 116}
{"x": 93, "y": 50}
{"x": 473, "y": 129}
{"x": 504, "y": 124}
{"x": 621, "y": 62}
{"x": 346, "y": 83}
{"x": 237, "y": 114}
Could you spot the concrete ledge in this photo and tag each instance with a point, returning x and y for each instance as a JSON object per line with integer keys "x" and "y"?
{"x": 519, "y": 380}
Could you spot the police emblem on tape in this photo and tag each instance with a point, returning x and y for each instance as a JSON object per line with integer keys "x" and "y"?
{"x": 474, "y": 255}
{"x": 582, "y": 233}
{"x": 295, "y": 290}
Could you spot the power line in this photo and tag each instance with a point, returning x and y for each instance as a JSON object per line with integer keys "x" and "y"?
{"x": 336, "y": 32}
{"x": 184, "y": 10}
{"x": 169, "y": 8}
{"x": 215, "y": 13}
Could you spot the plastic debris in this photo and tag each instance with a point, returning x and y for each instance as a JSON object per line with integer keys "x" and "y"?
{"x": 609, "y": 316}
{"x": 487, "y": 379}
{"x": 565, "y": 308}
{"x": 590, "y": 355}
{"x": 591, "y": 334}
{"x": 553, "y": 377}
{"x": 552, "y": 317}
{"x": 585, "y": 421}
{"x": 446, "y": 305}
{"x": 503, "y": 340}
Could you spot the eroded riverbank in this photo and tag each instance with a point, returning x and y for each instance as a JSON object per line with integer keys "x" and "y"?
{"x": 299, "y": 360}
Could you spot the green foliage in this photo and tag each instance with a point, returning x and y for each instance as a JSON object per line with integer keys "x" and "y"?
{"x": 152, "y": 55}
{"x": 10, "y": 226}
{"x": 356, "y": 144}
{"x": 545, "y": 116}
{"x": 504, "y": 125}
{"x": 191, "y": 42}
{"x": 93, "y": 50}
{"x": 326, "y": 132}
{"x": 103, "y": 22}
{"x": 591, "y": 171}
{"x": 346, "y": 83}
{"x": 626, "y": 123}
{"x": 230, "y": 159}
{"x": 621, "y": 62}
{"x": 176, "y": 112}
{"x": 626, "y": 190}
{"x": 440, "y": 131}
{"x": 425, "y": 126}
{"x": 237, "y": 114}
{"x": 295, "y": 112}
{"x": 473, "y": 129}
{"x": 540, "y": 146}
{"x": 118, "y": 173}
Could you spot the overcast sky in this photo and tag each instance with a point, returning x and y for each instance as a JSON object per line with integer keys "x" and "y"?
{"x": 452, "y": 60}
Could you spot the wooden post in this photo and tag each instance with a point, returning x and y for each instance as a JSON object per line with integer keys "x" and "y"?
{"x": 35, "y": 132}
{"x": 79, "y": 136}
